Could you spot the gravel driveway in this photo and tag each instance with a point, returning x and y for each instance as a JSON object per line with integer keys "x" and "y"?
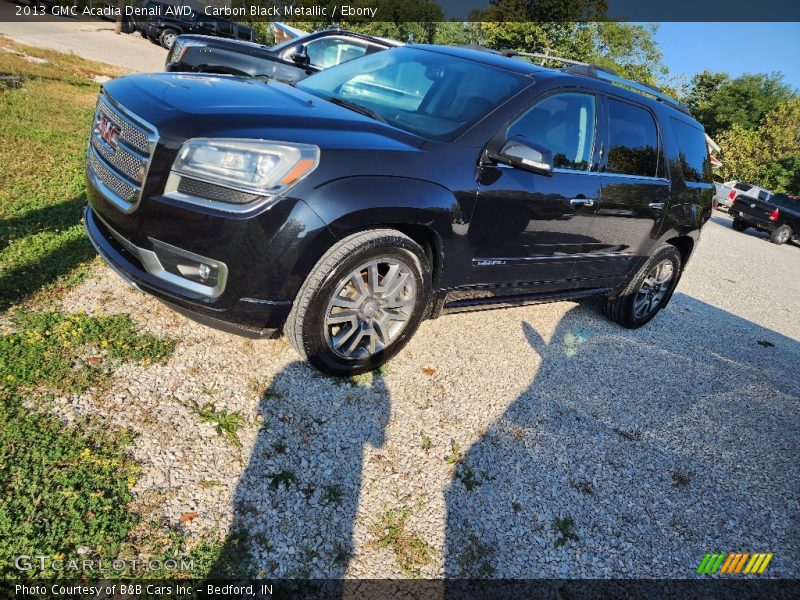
{"x": 533, "y": 442}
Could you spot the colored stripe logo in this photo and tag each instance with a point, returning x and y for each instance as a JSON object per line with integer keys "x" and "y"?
{"x": 732, "y": 563}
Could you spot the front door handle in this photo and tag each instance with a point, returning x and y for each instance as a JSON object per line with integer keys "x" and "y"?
{"x": 582, "y": 202}
{"x": 656, "y": 205}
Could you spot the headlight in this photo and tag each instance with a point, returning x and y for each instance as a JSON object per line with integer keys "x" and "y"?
{"x": 258, "y": 167}
{"x": 179, "y": 48}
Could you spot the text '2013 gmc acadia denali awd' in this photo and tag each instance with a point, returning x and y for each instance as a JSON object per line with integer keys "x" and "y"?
{"x": 393, "y": 188}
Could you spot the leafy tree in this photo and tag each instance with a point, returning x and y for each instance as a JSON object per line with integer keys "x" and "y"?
{"x": 719, "y": 102}
{"x": 768, "y": 155}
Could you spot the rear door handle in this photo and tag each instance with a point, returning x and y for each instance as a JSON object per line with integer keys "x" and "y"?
{"x": 582, "y": 202}
{"x": 656, "y": 205}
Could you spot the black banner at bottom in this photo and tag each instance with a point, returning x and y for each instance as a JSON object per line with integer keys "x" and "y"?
{"x": 447, "y": 589}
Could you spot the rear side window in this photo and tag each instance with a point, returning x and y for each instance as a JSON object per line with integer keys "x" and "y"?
{"x": 633, "y": 140}
{"x": 693, "y": 152}
{"x": 565, "y": 125}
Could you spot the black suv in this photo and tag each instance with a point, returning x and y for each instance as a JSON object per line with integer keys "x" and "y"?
{"x": 396, "y": 187}
{"x": 164, "y": 28}
{"x": 779, "y": 216}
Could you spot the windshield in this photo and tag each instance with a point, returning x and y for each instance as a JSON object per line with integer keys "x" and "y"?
{"x": 427, "y": 93}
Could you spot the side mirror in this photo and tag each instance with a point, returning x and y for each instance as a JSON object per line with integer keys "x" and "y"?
{"x": 300, "y": 56}
{"x": 521, "y": 153}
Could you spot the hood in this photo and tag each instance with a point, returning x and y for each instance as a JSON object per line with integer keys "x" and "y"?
{"x": 183, "y": 106}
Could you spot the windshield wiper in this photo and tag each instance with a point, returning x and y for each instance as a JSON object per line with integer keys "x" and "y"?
{"x": 357, "y": 108}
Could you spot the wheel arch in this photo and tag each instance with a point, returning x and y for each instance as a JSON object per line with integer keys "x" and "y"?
{"x": 422, "y": 210}
{"x": 685, "y": 245}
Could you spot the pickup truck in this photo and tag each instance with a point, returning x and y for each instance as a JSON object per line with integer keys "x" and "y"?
{"x": 727, "y": 192}
{"x": 289, "y": 61}
{"x": 779, "y": 216}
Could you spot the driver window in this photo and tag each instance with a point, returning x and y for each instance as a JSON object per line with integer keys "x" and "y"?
{"x": 565, "y": 125}
{"x": 329, "y": 52}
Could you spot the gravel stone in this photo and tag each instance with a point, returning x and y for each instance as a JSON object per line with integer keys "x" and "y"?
{"x": 662, "y": 443}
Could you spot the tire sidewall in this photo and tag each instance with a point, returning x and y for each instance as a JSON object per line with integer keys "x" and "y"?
{"x": 316, "y": 347}
{"x": 667, "y": 252}
{"x": 780, "y": 231}
{"x": 165, "y": 35}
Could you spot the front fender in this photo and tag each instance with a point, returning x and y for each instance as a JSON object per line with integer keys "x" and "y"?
{"x": 356, "y": 203}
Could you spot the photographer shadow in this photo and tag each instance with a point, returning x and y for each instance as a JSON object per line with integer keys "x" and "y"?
{"x": 613, "y": 460}
{"x": 295, "y": 503}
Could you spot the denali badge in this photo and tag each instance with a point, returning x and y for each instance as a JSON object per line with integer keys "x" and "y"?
{"x": 108, "y": 131}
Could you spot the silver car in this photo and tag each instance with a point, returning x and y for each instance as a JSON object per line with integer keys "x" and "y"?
{"x": 727, "y": 192}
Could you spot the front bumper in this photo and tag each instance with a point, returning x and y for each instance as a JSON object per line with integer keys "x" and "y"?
{"x": 246, "y": 316}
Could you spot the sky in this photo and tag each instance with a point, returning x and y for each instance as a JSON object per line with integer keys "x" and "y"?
{"x": 735, "y": 48}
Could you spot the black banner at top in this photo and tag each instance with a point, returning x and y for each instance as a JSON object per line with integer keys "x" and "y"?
{"x": 332, "y": 11}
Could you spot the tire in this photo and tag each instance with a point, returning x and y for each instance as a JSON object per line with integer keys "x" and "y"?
{"x": 739, "y": 225}
{"x": 376, "y": 337}
{"x": 167, "y": 38}
{"x": 625, "y": 308}
{"x": 127, "y": 27}
{"x": 781, "y": 235}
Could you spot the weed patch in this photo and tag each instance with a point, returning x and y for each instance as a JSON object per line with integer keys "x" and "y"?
{"x": 565, "y": 527}
{"x": 411, "y": 551}
{"x": 65, "y": 352}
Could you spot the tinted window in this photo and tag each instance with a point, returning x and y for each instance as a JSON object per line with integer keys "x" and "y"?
{"x": 763, "y": 195}
{"x": 427, "y": 93}
{"x": 692, "y": 152}
{"x": 565, "y": 125}
{"x": 743, "y": 186}
{"x": 329, "y": 52}
{"x": 633, "y": 140}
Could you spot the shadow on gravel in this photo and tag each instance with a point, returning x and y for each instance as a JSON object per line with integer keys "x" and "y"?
{"x": 633, "y": 453}
{"x": 299, "y": 500}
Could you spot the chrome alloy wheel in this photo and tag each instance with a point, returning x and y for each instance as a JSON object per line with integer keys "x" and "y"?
{"x": 783, "y": 236}
{"x": 654, "y": 289}
{"x": 370, "y": 308}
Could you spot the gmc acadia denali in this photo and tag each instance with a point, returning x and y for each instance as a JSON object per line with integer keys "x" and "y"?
{"x": 396, "y": 187}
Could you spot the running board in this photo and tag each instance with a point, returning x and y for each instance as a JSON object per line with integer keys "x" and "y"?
{"x": 520, "y": 300}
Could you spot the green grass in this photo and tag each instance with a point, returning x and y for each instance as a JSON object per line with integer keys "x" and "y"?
{"x": 65, "y": 488}
{"x": 71, "y": 352}
{"x": 62, "y": 488}
{"x": 45, "y": 125}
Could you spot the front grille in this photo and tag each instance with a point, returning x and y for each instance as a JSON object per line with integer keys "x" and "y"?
{"x": 120, "y": 149}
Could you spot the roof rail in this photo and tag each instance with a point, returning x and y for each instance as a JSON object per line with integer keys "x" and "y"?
{"x": 576, "y": 67}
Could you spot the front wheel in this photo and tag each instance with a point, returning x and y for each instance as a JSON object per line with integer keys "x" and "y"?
{"x": 781, "y": 235}
{"x": 649, "y": 291}
{"x": 361, "y": 303}
{"x": 167, "y": 38}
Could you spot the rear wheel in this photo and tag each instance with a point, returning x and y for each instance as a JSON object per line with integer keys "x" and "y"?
{"x": 361, "y": 303}
{"x": 739, "y": 225}
{"x": 781, "y": 235}
{"x": 649, "y": 291}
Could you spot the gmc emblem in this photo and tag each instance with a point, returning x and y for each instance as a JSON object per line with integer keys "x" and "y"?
{"x": 108, "y": 131}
